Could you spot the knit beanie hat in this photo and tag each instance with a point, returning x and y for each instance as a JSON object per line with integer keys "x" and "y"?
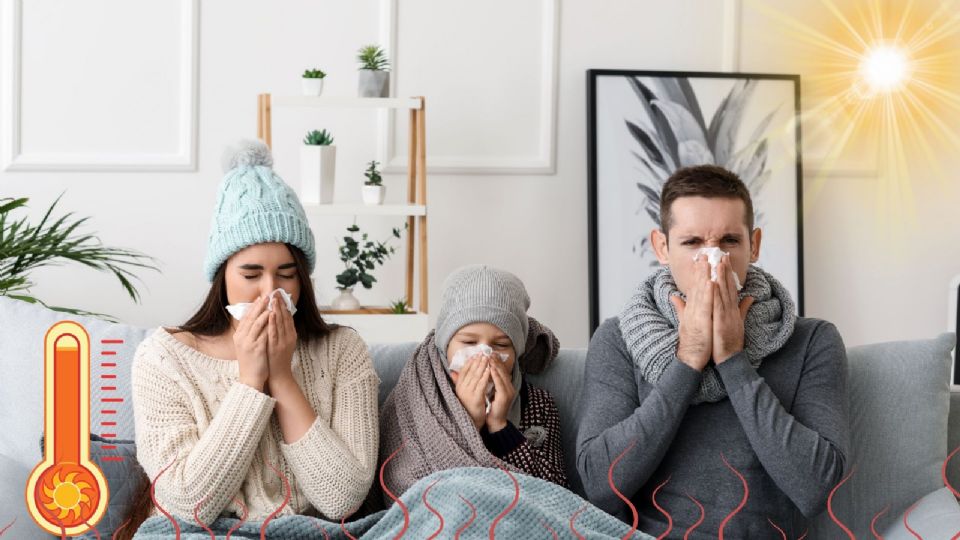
{"x": 479, "y": 293}
{"x": 254, "y": 206}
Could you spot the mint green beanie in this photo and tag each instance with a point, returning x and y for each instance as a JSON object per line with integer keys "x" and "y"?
{"x": 254, "y": 206}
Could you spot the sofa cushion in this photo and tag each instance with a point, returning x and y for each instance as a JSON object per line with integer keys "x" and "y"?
{"x": 13, "y": 510}
{"x": 22, "y": 329}
{"x": 898, "y": 399}
{"x": 937, "y": 515}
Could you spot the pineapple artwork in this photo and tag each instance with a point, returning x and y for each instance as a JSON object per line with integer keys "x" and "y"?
{"x": 67, "y": 492}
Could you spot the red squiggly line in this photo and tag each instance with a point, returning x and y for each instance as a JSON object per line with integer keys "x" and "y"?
{"x": 343, "y": 522}
{"x": 510, "y": 507}
{"x": 549, "y": 528}
{"x": 153, "y": 497}
{"x": 286, "y": 499}
{"x": 63, "y": 531}
{"x": 873, "y": 523}
{"x": 3, "y": 530}
{"x": 118, "y": 529}
{"x": 95, "y": 530}
{"x": 703, "y": 515}
{"x": 473, "y": 516}
{"x": 779, "y": 530}
{"x": 804, "y": 535}
{"x": 943, "y": 473}
{"x": 830, "y": 505}
{"x": 619, "y": 494}
{"x": 403, "y": 507}
{"x": 574, "y": 518}
{"x": 324, "y": 531}
{"x": 432, "y": 509}
{"x": 660, "y": 509}
{"x": 243, "y": 518}
{"x": 743, "y": 502}
{"x": 196, "y": 517}
{"x": 905, "y": 524}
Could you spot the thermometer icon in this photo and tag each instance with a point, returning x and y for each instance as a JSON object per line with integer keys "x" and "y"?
{"x": 66, "y": 493}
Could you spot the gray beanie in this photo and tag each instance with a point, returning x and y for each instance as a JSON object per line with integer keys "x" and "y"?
{"x": 479, "y": 293}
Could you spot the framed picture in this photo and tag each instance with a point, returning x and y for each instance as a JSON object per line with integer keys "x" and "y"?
{"x": 643, "y": 125}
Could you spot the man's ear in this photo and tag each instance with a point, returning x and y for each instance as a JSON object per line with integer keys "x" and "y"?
{"x": 659, "y": 242}
{"x": 755, "y": 238}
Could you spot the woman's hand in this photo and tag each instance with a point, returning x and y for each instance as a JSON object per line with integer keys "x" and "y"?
{"x": 281, "y": 341}
{"x": 502, "y": 398}
{"x": 250, "y": 342}
{"x": 471, "y": 386}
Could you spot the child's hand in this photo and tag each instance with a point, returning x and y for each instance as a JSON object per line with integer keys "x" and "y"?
{"x": 470, "y": 386}
{"x": 504, "y": 392}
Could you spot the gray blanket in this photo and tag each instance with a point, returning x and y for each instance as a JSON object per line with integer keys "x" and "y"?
{"x": 473, "y": 500}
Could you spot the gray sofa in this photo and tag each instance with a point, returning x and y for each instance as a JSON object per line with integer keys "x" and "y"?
{"x": 899, "y": 397}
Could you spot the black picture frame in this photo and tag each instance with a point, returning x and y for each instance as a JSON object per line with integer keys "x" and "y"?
{"x": 596, "y": 78}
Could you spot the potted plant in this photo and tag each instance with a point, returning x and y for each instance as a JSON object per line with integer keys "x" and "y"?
{"x": 399, "y": 307}
{"x": 373, "y": 188}
{"x": 312, "y": 82}
{"x": 374, "y": 72}
{"x": 318, "y": 157}
{"x": 360, "y": 258}
{"x": 25, "y": 247}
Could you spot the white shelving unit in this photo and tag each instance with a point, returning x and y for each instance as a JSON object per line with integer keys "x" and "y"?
{"x": 377, "y": 324}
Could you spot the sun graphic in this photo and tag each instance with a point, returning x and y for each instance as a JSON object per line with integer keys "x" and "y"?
{"x": 69, "y": 500}
{"x": 880, "y": 80}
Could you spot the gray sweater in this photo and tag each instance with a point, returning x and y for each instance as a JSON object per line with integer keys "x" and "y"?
{"x": 783, "y": 426}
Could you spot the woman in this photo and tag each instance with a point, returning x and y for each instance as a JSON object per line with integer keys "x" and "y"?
{"x": 442, "y": 414}
{"x": 237, "y": 415}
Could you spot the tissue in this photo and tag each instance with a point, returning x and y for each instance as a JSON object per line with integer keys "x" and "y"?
{"x": 459, "y": 359}
{"x": 714, "y": 255}
{"x": 238, "y": 310}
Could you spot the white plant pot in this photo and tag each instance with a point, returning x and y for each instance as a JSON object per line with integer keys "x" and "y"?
{"x": 373, "y": 195}
{"x": 317, "y": 173}
{"x": 346, "y": 301}
{"x": 311, "y": 87}
{"x": 374, "y": 83}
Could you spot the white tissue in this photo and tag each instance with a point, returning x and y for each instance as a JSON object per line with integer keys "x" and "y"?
{"x": 714, "y": 255}
{"x": 459, "y": 359}
{"x": 238, "y": 310}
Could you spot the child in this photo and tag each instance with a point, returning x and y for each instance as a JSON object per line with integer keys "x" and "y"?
{"x": 484, "y": 414}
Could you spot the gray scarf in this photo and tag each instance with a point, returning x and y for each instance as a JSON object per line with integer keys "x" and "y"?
{"x": 649, "y": 326}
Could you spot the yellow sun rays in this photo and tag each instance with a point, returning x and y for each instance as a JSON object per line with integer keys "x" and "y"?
{"x": 881, "y": 76}
{"x": 66, "y": 496}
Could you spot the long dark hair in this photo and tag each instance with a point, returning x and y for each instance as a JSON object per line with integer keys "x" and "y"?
{"x": 213, "y": 319}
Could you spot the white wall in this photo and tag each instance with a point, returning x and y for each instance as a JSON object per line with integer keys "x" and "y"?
{"x": 534, "y": 225}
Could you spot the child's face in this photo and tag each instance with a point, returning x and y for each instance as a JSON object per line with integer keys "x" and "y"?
{"x": 482, "y": 334}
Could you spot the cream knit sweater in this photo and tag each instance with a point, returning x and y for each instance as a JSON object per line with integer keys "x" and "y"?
{"x": 221, "y": 437}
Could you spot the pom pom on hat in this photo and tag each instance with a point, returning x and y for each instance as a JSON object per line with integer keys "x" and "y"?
{"x": 246, "y": 153}
{"x": 254, "y": 205}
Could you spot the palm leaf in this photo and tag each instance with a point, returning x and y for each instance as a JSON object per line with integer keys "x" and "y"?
{"x": 722, "y": 133}
{"x": 646, "y": 142}
{"x": 665, "y": 138}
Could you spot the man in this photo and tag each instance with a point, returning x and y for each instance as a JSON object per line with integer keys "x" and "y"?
{"x": 699, "y": 396}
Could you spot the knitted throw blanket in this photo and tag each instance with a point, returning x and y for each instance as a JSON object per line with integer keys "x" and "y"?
{"x": 649, "y": 326}
{"x": 477, "y": 502}
{"x": 426, "y": 426}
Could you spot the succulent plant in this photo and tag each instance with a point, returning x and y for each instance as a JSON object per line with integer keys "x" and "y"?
{"x": 373, "y": 175}
{"x": 399, "y": 307}
{"x": 314, "y": 74}
{"x": 373, "y": 58}
{"x": 318, "y": 138}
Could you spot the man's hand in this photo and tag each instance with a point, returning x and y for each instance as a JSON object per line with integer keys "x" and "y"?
{"x": 696, "y": 318}
{"x": 728, "y": 314}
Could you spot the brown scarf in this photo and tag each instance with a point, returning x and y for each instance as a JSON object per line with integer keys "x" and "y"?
{"x": 424, "y": 415}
